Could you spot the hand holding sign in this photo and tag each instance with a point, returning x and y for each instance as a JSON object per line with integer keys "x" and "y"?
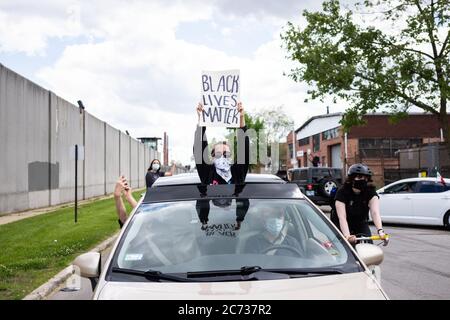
{"x": 240, "y": 109}
{"x": 200, "y": 110}
{"x": 220, "y": 96}
{"x": 242, "y": 114}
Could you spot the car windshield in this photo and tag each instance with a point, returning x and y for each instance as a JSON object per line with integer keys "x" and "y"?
{"x": 228, "y": 234}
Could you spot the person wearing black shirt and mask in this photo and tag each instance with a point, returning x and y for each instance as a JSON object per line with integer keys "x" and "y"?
{"x": 222, "y": 170}
{"x": 353, "y": 201}
{"x": 154, "y": 172}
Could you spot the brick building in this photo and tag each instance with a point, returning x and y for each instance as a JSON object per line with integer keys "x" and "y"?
{"x": 374, "y": 143}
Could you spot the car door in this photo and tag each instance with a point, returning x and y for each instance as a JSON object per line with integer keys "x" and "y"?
{"x": 430, "y": 203}
{"x": 396, "y": 202}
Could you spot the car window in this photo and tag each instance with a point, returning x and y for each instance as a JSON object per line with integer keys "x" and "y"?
{"x": 404, "y": 187}
{"x": 300, "y": 175}
{"x": 432, "y": 187}
{"x": 201, "y": 235}
{"x": 337, "y": 173}
{"x": 442, "y": 187}
{"x": 303, "y": 175}
{"x": 320, "y": 173}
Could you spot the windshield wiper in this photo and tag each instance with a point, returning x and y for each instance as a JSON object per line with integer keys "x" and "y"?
{"x": 254, "y": 273}
{"x": 245, "y": 270}
{"x": 151, "y": 274}
{"x": 308, "y": 272}
{"x": 249, "y": 270}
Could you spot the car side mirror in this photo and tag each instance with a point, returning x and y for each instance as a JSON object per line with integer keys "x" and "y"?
{"x": 89, "y": 264}
{"x": 370, "y": 254}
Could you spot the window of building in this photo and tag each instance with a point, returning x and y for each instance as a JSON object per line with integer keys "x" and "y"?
{"x": 316, "y": 142}
{"x": 330, "y": 134}
{"x": 303, "y": 142}
{"x": 291, "y": 150}
{"x": 378, "y": 147}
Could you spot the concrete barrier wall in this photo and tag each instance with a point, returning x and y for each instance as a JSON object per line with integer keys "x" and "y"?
{"x": 94, "y": 153}
{"x": 112, "y": 157}
{"x": 124, "y": 155}
{"x": 66, "y": 130}
{"x": 141, "y": 169}
{"x": 38, "y": 132}
{"x": 134, "y": 159}
{"x": 24, "y": 143}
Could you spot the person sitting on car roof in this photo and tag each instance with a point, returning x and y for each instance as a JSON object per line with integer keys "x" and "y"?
{"x": 221, "y": 170}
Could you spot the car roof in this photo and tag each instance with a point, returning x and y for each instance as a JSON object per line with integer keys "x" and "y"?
{"x": 230, "y": 191}
{"x": 434, "y": 179}
{"x": 192, "y": 178}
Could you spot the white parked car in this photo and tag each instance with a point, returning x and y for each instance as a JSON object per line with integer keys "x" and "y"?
{"x": 423, "y": 201}
{"x": 187, "y": 241}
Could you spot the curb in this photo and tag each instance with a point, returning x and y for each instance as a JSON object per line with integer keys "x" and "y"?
{"x": 58, "y": 280}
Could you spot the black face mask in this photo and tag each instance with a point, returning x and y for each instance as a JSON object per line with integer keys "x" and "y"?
{"x": 360, "y": 184}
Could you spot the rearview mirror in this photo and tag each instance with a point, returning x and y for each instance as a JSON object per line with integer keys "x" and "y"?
{"x": 89, "y": 264}
{"x": 370, "y": 254}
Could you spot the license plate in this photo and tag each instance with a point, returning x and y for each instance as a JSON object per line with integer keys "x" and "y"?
{"x": 309, "y": 193}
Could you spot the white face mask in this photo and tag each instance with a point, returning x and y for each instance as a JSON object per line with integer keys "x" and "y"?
{"x": 155, "y": 167}
{"x": 223, "y": 167}
{"x": 274, "y": 226}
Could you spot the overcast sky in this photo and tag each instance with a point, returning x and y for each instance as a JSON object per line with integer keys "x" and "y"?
{"x": 137, "y": 64}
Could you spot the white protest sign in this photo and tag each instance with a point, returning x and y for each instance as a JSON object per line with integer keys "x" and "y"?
{"x": 220, "y": 96}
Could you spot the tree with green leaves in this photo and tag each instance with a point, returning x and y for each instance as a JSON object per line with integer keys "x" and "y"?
{"x": 398, "y": 60}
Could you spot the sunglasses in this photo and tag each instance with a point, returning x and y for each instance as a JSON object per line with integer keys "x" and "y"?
{"x": 361, "y": 176}
{"x": 219, "y": 154}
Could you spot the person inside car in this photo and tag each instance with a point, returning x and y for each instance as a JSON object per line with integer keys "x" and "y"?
{"x": 122, "y": 187}
{"x": 353, "y": 201}
{"x": 273, "y": 240}
{"x": 221, "y": 170}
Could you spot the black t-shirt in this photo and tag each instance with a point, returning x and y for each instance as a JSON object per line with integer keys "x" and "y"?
{"x": 207, "y": 171}
{"x": 356, "y": 205}
{"x": 151, "y": 177}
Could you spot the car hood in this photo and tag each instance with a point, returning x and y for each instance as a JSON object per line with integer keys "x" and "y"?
{"x": 344, "y": 286}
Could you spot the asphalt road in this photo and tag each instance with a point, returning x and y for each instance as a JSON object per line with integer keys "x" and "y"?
{"x": 416, "y": 263}
{"x": 415, "y": 266}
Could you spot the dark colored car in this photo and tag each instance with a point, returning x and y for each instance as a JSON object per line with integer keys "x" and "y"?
{"x": 318, "y": 183}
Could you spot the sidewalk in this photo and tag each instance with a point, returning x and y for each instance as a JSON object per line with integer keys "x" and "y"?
{"x": 12, "y": 217}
